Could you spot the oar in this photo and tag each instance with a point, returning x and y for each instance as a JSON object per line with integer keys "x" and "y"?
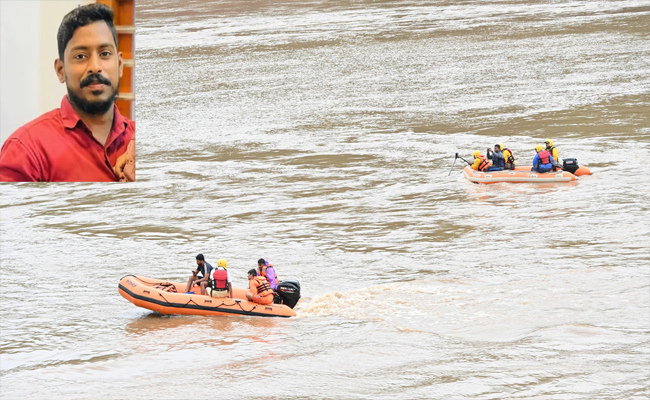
{"x": 457, "y": 156}
{"x": 468, "y": 163}
{"x": 452, "y": 165}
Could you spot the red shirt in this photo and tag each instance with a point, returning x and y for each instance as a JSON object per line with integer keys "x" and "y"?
{"x": 59, "y": 147}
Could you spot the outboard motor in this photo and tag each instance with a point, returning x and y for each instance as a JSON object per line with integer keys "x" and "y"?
{"x": 570, "y": 165}
{"x": 288, "y": 292}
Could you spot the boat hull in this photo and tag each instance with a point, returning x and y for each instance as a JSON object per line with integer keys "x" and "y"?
{"x": 522, "y": 174}
{"x": 147, "y": 293}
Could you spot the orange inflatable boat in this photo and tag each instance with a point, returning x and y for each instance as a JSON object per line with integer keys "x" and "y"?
{"x": 523, "y": 174}
{"x": 168, "y": 298}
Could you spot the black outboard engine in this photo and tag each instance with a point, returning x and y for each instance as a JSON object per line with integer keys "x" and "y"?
{"x": 570, "y": 165}
{"x": 288, "y": 292}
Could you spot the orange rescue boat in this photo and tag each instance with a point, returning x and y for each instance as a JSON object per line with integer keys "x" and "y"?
{"x": 167, "y": 298}
{"x": 569, "y": 173}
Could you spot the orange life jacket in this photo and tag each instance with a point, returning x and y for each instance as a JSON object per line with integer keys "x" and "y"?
{"x": 165, "y": 287}
{"x": 263, "y": 271}
{"x": 483, "y": 166}
{"x": 262, "y": 286}
{"x": 219, "y": 279}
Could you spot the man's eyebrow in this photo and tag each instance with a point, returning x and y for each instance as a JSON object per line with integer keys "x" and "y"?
{"x": 101, "y": 46}
{"x": 79, "y": 47}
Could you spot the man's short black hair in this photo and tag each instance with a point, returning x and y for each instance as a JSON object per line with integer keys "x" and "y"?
{"x": 253, "y": 272}
{"x": 200, "y": 257}
{"x": 261, "y": 261}
{"x": 82, "y": 16}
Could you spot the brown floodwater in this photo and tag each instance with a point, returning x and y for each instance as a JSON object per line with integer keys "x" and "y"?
{"x": 320, "y": 135}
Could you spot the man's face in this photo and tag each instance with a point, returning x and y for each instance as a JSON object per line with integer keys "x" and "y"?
{"x": 260, "y": 266}
{"x": 250, "y": 276}
{"x": 200, "y": 263}
{"x": 496, "y": 148}
{"x": 547, "y": 144}
{"x": 91, "y": 68}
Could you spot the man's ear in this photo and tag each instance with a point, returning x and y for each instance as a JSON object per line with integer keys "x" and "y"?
{"x": 120, "y": 63}
{"x": 58, "y": 68}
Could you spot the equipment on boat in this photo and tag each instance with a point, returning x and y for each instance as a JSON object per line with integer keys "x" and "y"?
{"x": 288, "y": 292}
{"x": 167, "y": 298}
{"x": 570, "y": 164}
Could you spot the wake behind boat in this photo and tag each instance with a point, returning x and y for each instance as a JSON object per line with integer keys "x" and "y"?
{"x": 167, "y": 298}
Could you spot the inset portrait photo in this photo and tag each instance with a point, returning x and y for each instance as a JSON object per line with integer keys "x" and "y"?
{"x": 66, "y": 91}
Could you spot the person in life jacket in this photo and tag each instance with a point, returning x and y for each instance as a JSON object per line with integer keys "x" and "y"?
{"x": 498, "y": 161}
{"x": 202, "y": 273}
{"x": 554, "y": 152}
{"x": 260, "y": 291}
{"x": 268, "y": 271}
{"x": 507, "y": 155}
{"x": 480, "y": 163}
{"x": 543, "y": 161}
{"x": 220, "y": 284}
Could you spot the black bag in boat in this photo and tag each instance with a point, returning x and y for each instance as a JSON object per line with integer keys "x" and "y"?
{"x": 570, "y": 165}
{"x": 288, "y": 292}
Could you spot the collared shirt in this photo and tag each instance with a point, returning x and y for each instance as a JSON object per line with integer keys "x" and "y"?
{"x": 59, "y": 147}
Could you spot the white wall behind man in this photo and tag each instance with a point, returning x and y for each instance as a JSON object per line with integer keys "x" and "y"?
{"x": 28, "y": 84}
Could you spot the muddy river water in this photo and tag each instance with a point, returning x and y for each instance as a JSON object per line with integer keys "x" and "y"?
{"x": 320, "y": 135}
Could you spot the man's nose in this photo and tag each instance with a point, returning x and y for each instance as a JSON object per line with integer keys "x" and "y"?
{"x": 94, "y": 65}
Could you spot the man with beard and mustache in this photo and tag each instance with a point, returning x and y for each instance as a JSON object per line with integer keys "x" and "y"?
{"x": 87, "y": 139}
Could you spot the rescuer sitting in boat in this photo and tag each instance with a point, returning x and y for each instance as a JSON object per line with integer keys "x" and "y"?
{"x": 260, "y": 291}
{"x": 507, "y": 155}
{"x": 480, "y": 163}
{"x": 543, "y": 161}
{"x": 200, "y": 275}
{"x": 554, "y": 152}
{"x": 498, "y": 161}
{"x": 268, "y": 271}
{"x": 219, "y": 284}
